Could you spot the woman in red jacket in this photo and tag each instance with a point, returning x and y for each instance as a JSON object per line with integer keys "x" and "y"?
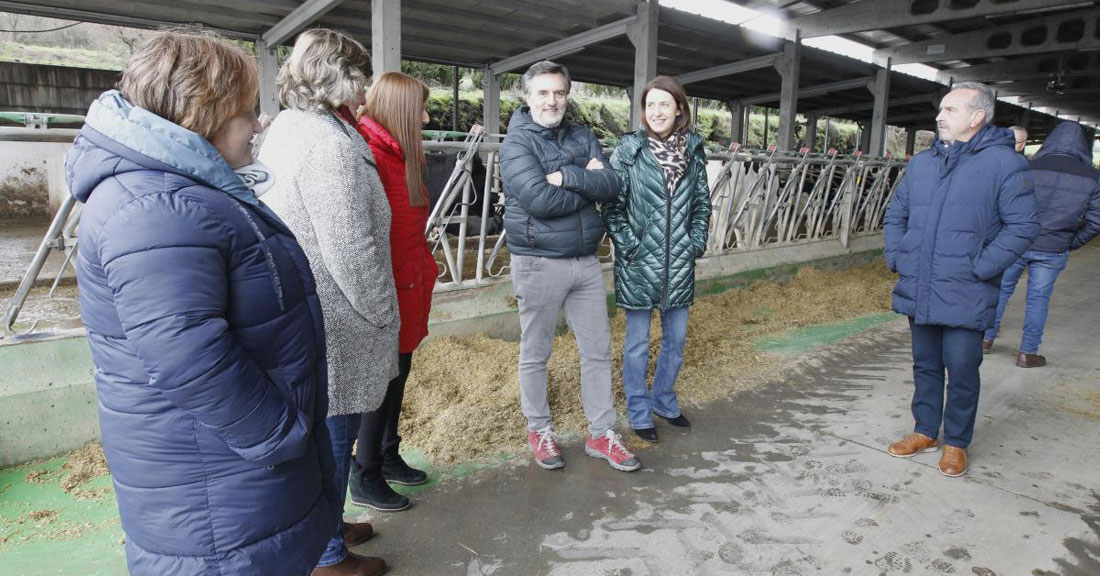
{"x": 391, "y": 121}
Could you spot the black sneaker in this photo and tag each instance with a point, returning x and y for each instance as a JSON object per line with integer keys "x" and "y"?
{"x": 376, "y": 493}
{"x": 647, "y": 434}
{"x": 399, "y": 472}
{"x": 679, "y": 421}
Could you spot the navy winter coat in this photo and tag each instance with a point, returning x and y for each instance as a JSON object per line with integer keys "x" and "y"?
{"x": 546, "y": 220}
{"x": 960, "y": 217}
{"x": 1068, "y": 190}
{"x": 209, "y": 347}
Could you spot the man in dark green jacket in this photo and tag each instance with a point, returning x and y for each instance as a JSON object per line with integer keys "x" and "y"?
{"x": 554, "y": 172}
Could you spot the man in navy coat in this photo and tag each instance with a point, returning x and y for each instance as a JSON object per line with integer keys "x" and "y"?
{"x": 965, "y": 211}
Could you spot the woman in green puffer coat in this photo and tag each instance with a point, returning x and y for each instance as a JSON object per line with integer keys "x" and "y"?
{"x": 658, "y": 224}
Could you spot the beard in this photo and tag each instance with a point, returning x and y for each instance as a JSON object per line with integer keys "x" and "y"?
{"x": 548, "y": 118}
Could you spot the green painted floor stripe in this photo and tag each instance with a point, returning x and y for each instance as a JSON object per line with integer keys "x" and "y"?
{"x": 801, "y": 340}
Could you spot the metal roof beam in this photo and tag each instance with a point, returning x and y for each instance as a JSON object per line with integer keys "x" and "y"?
{"x": 564, "y": 46}
{"x": 111, "y": 19}
{"x": 301, "y": 17}
{"x": 869, "y": 15}
{"x": 931, "y": 98}
{"x": 1068, "y": 31}
{"x": 1028, "y": 68}
{"x": 730, "y": 69}
{"x": 811, "y": 91}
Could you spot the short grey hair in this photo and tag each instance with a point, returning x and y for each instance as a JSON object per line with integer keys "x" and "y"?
{"x": 985, "y": 100}
{"x": 325, "y": 70}
{"x": 545, "y": 67}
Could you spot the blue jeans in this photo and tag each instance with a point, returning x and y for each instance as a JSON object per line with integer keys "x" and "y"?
{"x": 639, "y": 401}
{"x": 959, "y": 351}
{"x": 1042, "y": 270}
{"x": 343, "y": 430}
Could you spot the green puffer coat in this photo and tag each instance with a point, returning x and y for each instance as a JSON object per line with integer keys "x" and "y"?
{"x": 657, "y": 238}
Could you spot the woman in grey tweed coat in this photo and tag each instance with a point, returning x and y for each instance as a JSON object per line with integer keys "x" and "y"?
{"x": 328, "y": 192}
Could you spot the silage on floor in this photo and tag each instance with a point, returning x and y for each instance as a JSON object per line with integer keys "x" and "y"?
{"x": 462, "y": 398}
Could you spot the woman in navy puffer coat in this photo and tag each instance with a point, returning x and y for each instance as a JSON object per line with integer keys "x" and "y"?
{"x": 203, "y": 322}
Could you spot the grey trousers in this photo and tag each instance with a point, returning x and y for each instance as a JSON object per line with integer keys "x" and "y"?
{"x": 545, "y": 287}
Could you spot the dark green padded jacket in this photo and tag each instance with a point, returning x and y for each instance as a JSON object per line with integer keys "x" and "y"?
{"x": 657, "y": 238}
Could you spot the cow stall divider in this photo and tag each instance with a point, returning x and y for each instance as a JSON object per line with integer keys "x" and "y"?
{"x": 759, "y": 198}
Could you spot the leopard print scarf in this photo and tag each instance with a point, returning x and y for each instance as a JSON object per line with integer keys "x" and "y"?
{"x": 670, "y": 156}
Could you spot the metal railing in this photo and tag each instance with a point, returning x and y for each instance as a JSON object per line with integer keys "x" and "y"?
{"x": 759, "y": 198}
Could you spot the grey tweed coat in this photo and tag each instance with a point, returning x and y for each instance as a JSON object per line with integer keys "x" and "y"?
{"x": 328, "y": 192}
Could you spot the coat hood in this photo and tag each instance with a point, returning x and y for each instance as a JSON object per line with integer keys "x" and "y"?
{"x": 1067, "y": 139}
{"x": 119, "y": 137}
{"x": 987, "y": 137}
{"x": 377, "y": 134}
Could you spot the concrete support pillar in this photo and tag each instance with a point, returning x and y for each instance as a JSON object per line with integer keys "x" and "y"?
{"x": 828, "y": 124}
{"x": 737, "y": 121}
{"x": 788, "y": 68}
{"x": 811, "y": 131}
{"x": 454, "y": 99}
{"x": 881, "y": 91}
{"x": 767, "y": 124}
{"x": 385, "y": 36}
{"x": 864, "y": 137}
{"x": 491, "y": 103}
{"x": 644, "y": 37}
{"x": 910, "y": 140}
{"x": 268, "y": 62}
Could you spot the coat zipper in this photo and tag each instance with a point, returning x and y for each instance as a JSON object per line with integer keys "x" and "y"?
{"x": 276, "y": 284}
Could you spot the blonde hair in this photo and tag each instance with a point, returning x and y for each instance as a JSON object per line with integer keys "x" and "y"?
{"x": 325, "y": 70}
{"x": 396, "y": 102}
{"x": 194, "y": 79}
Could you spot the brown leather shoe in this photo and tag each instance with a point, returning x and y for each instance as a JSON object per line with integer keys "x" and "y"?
{"x": 355, "y": 533}
{"x": 953, "y": 461}
{"x": 353, "y": 565}
{"x": 1031, "y": 360}
{"x": 987, "y": 346}
{"x": 912, "y": 444}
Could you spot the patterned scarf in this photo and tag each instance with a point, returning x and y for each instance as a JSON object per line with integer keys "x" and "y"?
{"x": 670, "y": 155}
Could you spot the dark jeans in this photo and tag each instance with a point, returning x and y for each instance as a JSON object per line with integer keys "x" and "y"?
{"x": 959, "y": 350}
{"x": 378, "y": 438}
{"x": 1042, "y": 270}
{"x": 341, "y": 430}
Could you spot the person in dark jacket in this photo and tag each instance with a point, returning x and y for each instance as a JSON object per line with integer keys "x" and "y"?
{"x": 554, "y": 172}
{"x": 963, "y": 213}
{"x": 1068, "y": 189}
{"x": 658, "y": 225}
{"x": 390, "y": 122}
{"x": 204, "y": 323}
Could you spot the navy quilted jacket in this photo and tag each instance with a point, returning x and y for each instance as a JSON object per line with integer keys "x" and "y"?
{"x": 657, "y": 237}
{"x": 1068, "y": 190}
{"x": 209, "y": 347}
{"x": 960, "y": 217}
{"x": 546, "y": 220}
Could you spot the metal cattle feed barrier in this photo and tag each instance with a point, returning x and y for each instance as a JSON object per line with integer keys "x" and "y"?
{"x": 759, "y": 198}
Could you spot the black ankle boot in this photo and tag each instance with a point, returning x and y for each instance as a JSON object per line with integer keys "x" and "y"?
{"x": 376, "y": 493}
{"x": 399, "y": 472}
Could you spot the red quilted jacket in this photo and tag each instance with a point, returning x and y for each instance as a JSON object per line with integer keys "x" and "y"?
{"x": 414, "y": 268}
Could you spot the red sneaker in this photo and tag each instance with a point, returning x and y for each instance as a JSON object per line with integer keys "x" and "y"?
{"x": 545, "y": 448}
{"x": 610, "y": 447}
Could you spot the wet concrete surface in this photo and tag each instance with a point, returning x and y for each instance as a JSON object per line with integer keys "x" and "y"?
{"x": 19, "y": 239}
{"x": 794, "y": 479}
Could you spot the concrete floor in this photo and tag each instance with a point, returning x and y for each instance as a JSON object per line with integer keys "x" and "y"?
{"x": 793, "y": 479}
{"x": 19, "y": 240}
